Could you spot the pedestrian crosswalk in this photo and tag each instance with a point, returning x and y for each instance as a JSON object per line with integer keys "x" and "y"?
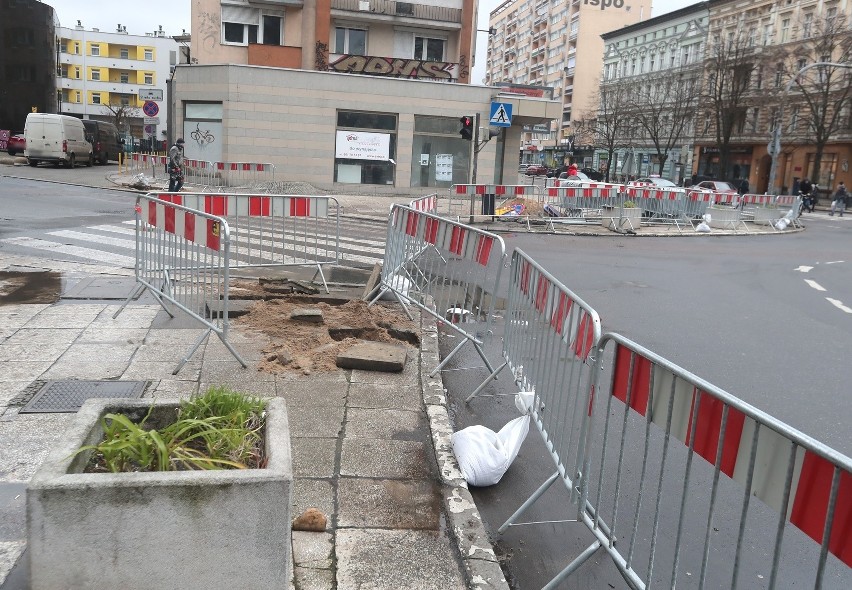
{"x": 362, "y": 243}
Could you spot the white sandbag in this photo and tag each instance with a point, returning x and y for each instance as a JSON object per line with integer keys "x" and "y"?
{"x": 702, "y": 228}
{"x": 782, "y": 223}
{"x": 484, "y": 455}
{"x": 400, "y": 284}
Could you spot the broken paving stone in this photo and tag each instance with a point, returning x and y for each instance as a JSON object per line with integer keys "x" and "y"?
{"x": 344, "y": 332}
{"x": 373, "y": 356}
{"x": 311, "y": 520}
{"x": 303, "y": 314}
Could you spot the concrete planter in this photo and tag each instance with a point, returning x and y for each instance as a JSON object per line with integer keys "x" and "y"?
{"x": 189, "y": 529}
{"x": 630, "y": 218}
{"x": 724, "y": 218}
{"x": 766, "y": 216}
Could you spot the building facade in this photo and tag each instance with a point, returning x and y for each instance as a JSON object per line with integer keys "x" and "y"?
{"x": 656, "y": 67}
{"x": 27, "y": 62}
{"x": 111, "y": 75}
{"x": 423, "y": 40}
{"x": 302, "y": 87}
{"x": 557, "y": 44}
{"x": 770, "y": 43}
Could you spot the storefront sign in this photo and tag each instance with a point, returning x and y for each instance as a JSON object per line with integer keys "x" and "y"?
{"x": 393, "y": 67}
{"x": 444, "y": 167}
{"x": 361, "y": 145}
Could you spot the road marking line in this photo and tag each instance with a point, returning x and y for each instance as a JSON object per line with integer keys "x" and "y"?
{"x": 836, "y": 262}
{"x": 839, "y": 305}
{"x": 86, "y": 253}
{"x": 814, "y": 284}
{"x": 804, "y": 268}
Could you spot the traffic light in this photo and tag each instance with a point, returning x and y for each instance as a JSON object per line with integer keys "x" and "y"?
{"x": 467, "y": 128}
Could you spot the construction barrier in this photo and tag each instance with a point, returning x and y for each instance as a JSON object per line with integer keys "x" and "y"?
{"x": 756, "y": 208}
{"x": 587, "y": 203}
{"x": 274, "y": 230}
{"x": 788, "y": 204}
{"x": 149, "y": 164}
{"x": 726, "y": 212}
{"x": 665, "y": 206}
{"x": 462, "y": 200}
{"x": 447, "y": 269}
{"x": 428, "y": 203}
{"x": 242, "y": 174}
{"x": 686, "y": 485}
{"x": 183, "y": 257}
{"x": 198, "y": 172}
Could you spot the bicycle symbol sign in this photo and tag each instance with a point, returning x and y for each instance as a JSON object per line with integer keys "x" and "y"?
{"x": 150, "y": 108}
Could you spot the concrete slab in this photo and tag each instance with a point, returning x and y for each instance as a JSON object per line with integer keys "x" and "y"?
{"x": 13, "y": 511}
{"x": 313, "y": 493}
{"x": 380, "y": 395}
{"x": 316, "y": 392}
{"x": 236, "y": 308}
{"x": 395, "y": 459}
{"x": 314, "y": 457}
{"x": 23, "y": 370}
{"x": 388, "y": 503}
{"x": 316, "y": 421}
{"x": 28, "y": 438}
{"x": 409, "y": 376}
{"x": 415, "y": 560}
{"x": 312, "y": 550}
{"x": 10, "y": 552}
{"x": 66, "y": 316}
{"x": 308, "y": 315}
{"x": 384, "y": 423}
{"x": 373, "y": 356}
{"x": 101, "y": 288}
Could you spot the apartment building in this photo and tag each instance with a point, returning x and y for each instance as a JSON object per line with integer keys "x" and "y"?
{"x": 338, "y": 93}
{"x": 557, "y": 44}
{"x": 766, "y": 44}
{"x": 110, "y": 75}
{"x": 653, "y": 69}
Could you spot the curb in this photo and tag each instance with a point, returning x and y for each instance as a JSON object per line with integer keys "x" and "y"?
{"x": 481, "y": 566}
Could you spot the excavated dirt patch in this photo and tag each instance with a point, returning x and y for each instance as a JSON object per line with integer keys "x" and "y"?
{"x": 306, "y": 346}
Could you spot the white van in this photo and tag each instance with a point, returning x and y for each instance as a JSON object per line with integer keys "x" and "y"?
{"x": 57, "y": 139}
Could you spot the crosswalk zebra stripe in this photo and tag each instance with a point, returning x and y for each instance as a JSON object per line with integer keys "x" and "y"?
{"x": 88, "y": 254}
{"x": 84, "y": 237}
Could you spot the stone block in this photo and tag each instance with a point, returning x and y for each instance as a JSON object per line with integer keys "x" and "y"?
{"x": 373, "y": 356}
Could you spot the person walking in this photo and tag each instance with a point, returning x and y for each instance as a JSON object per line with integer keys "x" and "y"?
{"x": 840, "y": 198}
{"x": 176, "y": 166}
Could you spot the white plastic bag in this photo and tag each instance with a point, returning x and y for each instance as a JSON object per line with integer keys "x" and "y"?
{"x": 703, "y": 227}
{"x": 484, "y": 455}
{"x": 400, "y": 284}
{"x": 782, "y": 223}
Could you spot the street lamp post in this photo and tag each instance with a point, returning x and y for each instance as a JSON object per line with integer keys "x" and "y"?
{"x": 774, "y": 146}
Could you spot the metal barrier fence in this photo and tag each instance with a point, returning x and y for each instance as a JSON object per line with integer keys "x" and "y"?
{"x": 449, "y": 270}
{"x": 274, "y": 230}
{"x": 462, "y": 200}
{"x": 149, "y": 163}
{"x": 587, "y": 203}
{"x": 667, "y": 519}
{"x": 198, "y": 172}
{"x": 787, "y": 203}
{"x": 428, "y": 203}
{"x": 183, "y": 257}
{"x": 246, "y": 174}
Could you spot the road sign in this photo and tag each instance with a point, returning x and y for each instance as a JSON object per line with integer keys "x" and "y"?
{"x": 151, "y": 120}
{"x": 501, "y": 114}
{"x": 151, "y": 94}
{"x": 150, "y": 108}
{"x": 149, "y": 129}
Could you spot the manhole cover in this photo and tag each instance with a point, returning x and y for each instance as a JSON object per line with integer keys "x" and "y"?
{"x": 68, "y": 396}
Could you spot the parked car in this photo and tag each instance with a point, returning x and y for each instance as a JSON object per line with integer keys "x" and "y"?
{"x": 655, "y": 180}
{"x": 56, "y": 138}
{"x": 595, "y": 175}
{"x": 575, "y": 180}
{"x": 716, "y": 186}
{"x": 536, "y": 170}
{"x": 16, "y": 144}
{"x": 106, "y": 143}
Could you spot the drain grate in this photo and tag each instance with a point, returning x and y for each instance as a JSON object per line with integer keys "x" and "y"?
{"x": 69, "y": 396}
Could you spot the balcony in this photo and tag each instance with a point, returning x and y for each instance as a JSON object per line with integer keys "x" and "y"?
{"x": 398, "y": 11}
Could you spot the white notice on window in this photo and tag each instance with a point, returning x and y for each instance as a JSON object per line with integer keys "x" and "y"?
{"x": 444, "y": 167}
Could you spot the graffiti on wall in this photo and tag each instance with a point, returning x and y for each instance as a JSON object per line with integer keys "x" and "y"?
{"x": 320, "y": 59}
{"x": 394, "y": 67}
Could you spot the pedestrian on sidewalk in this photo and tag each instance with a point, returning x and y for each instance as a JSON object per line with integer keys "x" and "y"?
{"x": 176, "y": 166}
{"x": 840, "y": 198}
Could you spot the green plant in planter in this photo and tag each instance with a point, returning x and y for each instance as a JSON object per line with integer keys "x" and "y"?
{"x": 629, "y": 205}
{"x": 220, "y": 429}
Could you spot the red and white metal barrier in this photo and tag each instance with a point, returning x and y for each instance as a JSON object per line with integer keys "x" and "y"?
{"x": 463, "y": 201}
{"x": 242, "y": 174}
{"x": 429, "y": 204}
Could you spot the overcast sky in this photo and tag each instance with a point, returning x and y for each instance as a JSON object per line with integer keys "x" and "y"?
{"x": 146, "y": 16}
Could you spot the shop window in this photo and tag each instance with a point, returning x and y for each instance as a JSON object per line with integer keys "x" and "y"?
{"x": 365, "y": 148}
{"x": 439, "y": 157}
{"x": 350, "y": 41}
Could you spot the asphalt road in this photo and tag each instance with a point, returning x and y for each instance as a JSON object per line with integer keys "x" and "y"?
{"x": 746, "y": 313}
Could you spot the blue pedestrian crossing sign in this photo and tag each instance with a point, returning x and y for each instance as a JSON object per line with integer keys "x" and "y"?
{"x": 501, "y": 114}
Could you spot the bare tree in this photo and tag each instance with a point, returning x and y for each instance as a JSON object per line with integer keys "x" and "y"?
{"x": 824, "y": 93}
{"x": 122, "y": 113}
{"x": 608, "y": 127}
{"x": 728, "y": 67}
{"x": 663, "y": 108}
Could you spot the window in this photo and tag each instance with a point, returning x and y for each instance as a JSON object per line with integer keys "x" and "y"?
{"x": 149, "y": 79}
{"x": 96, "y": 49}
{"x": 149, "y": 55}
{"x": 794, "y": 120}
{"x": 429, "y": 49}
{"x": 240, "y": 25}
{"x": 124, "y": 78}
{"x": 124, "y": 53}
{"x": 124, "y": 100}
{"x": 652, "y": 61}
{"x": 77, "y": 97}
{"x": 272, "y": 31}
{"x": 785, "y": 30}
{"x": 96, "y": 98}
{"x": 440, "y": 157}
{"x": 63, "y": 46}
{"x": 350, "y": 41}
{"x": 96, "y": 74}
{"x": 366, "y": 144}
{"x": 807, "y": 25}
{"x": 685, "y": 55}
{"x": 76, "y": 73}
